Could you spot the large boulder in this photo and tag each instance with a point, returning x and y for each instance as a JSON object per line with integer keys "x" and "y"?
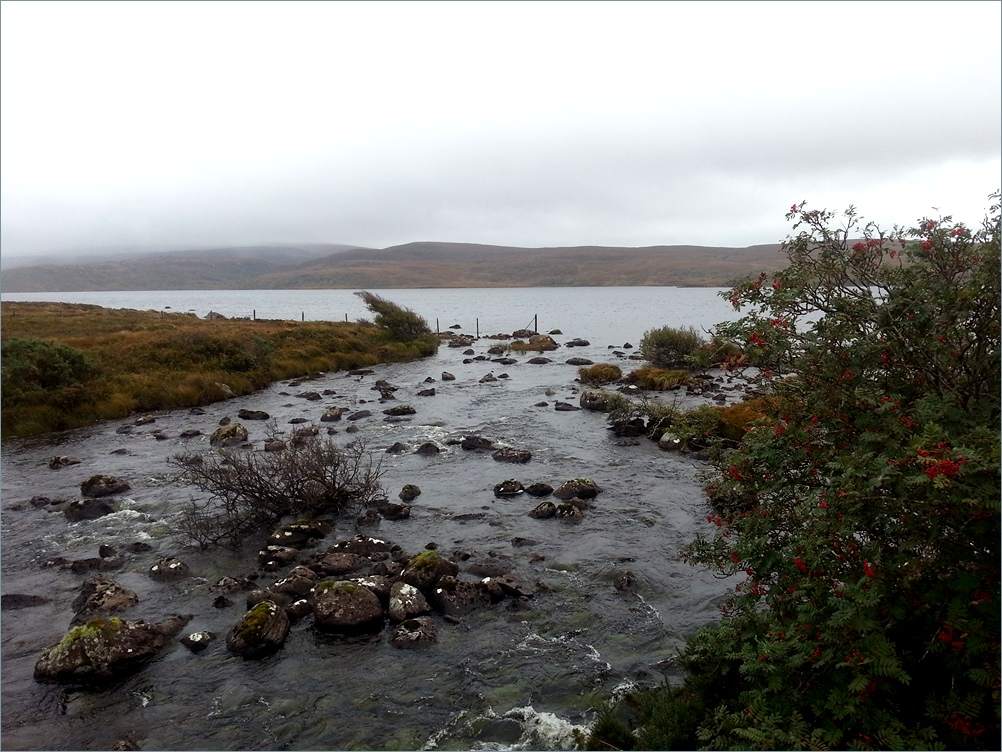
{"x": 345, "y": 606}
{"x": 103, "y": 485}
{"x": 229, "y": 435}
{"x": 539, "y": 489}
{"x": 406, "y": 601}
{"x": 426, "y": 569}
{"x": 99, "y": 596}
{"x": 104, "y": 649}
{"x": 446, "y": 376}
{"x": 544, "y": 510}
{"x": 260, "y": 631}
{"x": 409, "y": 492}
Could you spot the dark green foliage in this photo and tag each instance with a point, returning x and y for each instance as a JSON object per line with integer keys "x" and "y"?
{"x": 861, "y": 506}
{"x": 669, "y": 347}
{"x": 33, "y": 366}
{"x": 402, "y": 323}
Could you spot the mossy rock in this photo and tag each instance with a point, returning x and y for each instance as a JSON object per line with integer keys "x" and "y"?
{"x": 342, "y": 605}
{"x": 425, "y": 569}
{"x": 261, "y": 631}
{"x": 105, "y": 648}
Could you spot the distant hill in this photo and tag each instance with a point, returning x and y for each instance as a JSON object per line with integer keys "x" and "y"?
{"x": 425, "y": 264}
{"x": 202, "y": 269}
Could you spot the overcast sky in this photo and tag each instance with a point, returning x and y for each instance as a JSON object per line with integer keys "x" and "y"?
{"x": 196, "y": 124}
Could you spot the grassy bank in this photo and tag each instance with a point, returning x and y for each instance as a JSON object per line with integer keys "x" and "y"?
{"x": 68, "y": 365}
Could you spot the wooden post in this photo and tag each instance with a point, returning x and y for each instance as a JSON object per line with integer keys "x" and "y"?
{"x": 436, "y": 325}
{"x": 535, "y": 323}
{"x": 346, "y": 318}
{"x": 478, "y": 328}
{"x": 302, "y": 316}
{"x": 254, "y": 314}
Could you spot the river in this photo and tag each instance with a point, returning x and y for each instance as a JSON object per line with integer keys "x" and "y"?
{"x": 500, "y": 678}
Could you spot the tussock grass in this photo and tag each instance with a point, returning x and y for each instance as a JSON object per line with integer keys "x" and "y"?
{"x": 69, "y": 365}
{"x": 601, "y": 373}
{"x": 658, "y": 379}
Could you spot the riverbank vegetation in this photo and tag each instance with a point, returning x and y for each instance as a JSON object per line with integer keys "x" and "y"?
{"x": 69, "y": 365}
{"x": 861, "y": 508}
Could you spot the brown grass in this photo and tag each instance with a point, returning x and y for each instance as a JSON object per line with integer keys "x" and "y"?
{"x": 600, "y": 373}
{"x": 142, "y": 360}
{"x": 658, "y": 379}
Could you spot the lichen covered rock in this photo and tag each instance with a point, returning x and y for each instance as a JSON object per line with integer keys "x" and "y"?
{"x": 261, "y": 631}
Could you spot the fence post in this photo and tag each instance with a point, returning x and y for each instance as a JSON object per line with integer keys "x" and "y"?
{"x": 254, "y": 314}
{"x": 478, "y": 328}
{"x": 535, "y": 323}
{"x": 436, "y": 325}
{"x": 302, "y": 316}
{"x": 346, "y": 318}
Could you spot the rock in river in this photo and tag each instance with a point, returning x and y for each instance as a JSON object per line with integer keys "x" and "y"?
{"x": 343, "y": 605}
{"x": 544, "y": 510}
{"x": 409, "y": 492}
{"x": 196, "y": 642}
{"x": 508, "y": 488}
{"x": 103, "y": 649}
{"x": 87, "y": 509}
{"x": 428, "y": 449}
{"x": 539, "y": 489}
{"x": 103, "y": 485}
{"x": 510, "y": 454}
{"x": 399, "y": 410}
{"x": 169, "y": 568}
{"x": 426, "y": 569}
{"x": 565, "y": 407}
{"x": 413, "y": 633}
{"x": 446, "y": 376}
{"x": 229, "y": 435}
{"x": 245, "y": 414}
{"x": 581, "y": 488}
{"x": 99, "y": 597}
{"x": 261, "y": 631}
{"x": 406, "y": 602}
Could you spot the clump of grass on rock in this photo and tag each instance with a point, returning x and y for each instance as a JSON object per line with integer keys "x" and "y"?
{"x": 670, "y": 347}
{"x": 601, "y": 373}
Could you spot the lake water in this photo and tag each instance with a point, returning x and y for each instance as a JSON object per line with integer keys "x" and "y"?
{"x": 501, "y": 678}
{"x": 614, "y": 313}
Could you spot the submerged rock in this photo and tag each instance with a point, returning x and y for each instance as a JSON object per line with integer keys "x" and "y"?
{"x": 359, "y": 415}
{"x": 57, "y": 462}
{"x": 333, "y": 414}
{"x": 261, "y": 631}
{"x": 391, "y": 511}
{"x": 426, "y": 393}
{"x": 474, "y": 442}
{"x": 399, "y": 410}
{"x": 565, "y": 407}
{"x": 413, "y": 633}
{"x": 103, "y": 649}
{"x": 452, "y": 596}
{"x": 16, "y": 601}
{"x": 245, "y": 414}
{"x": 428, "y": 449}
{"x": 510, "y": 454}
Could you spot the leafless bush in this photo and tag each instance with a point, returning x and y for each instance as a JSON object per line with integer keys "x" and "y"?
{"x": 251, "y": 490}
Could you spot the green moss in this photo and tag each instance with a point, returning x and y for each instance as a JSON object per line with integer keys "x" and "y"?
{"x": 95, "y": 629}
{"x": 424, "y": 560}
{"x": 258, "y": 617}
{"x": 344, "y": 586}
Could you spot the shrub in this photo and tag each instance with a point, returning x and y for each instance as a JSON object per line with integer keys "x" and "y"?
{"x": 658, "y": 379}
{"x": 34, "y": 365}
{"x": 249, "y": 490}
{"x": 865, "y": 515}
{"x": 402, "y": 323}
{"x": 601, "y": 373}
{"x": 670, "y": 347}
